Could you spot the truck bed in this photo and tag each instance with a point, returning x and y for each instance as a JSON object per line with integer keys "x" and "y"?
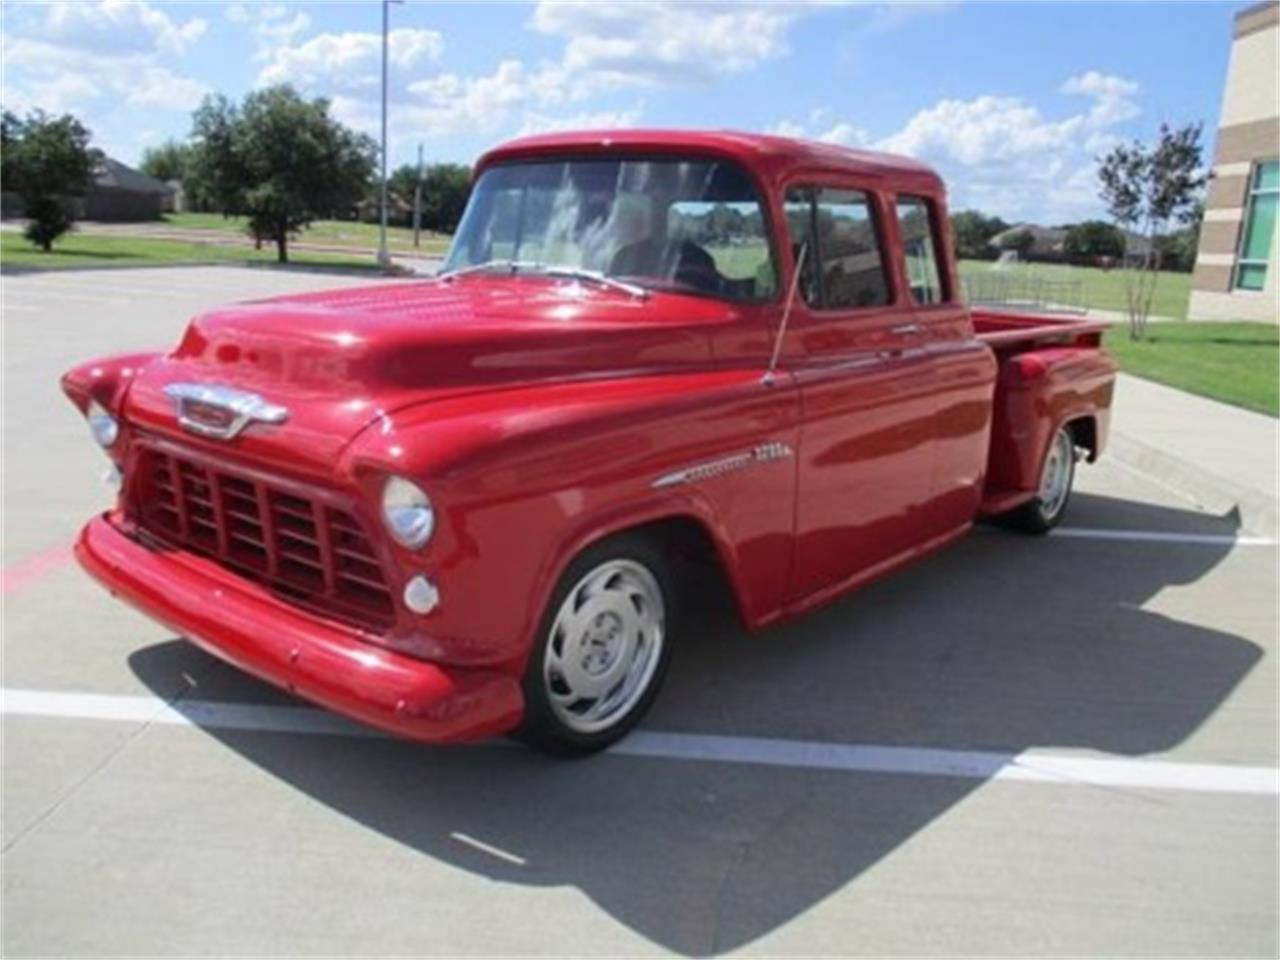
{"x": 1005, "y": 330}
{"x": 1053, "y": 373}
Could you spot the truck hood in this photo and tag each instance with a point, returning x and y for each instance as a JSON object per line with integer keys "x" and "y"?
{"x": 337, "y": 361}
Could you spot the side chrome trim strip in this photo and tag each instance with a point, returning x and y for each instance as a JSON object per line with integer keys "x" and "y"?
{"x": 763, "y": 453}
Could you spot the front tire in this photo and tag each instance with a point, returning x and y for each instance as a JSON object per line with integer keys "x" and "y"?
{"x": 1045, "y": 511}
{"x": 602, "y": 648}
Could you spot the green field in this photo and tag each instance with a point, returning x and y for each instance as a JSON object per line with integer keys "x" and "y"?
{"x": 1237, "y": 363}
{"x": 96, "y": 250}
{"x": 1098, "y": 289}
{"x": 329, "y": 232}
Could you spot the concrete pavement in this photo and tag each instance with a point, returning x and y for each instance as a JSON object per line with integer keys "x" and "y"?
{"x": 1220, "y": 456}
{"x": 158, "y": 802}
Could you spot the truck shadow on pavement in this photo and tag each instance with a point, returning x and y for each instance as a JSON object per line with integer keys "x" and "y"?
{"x": 1000, "y": 643}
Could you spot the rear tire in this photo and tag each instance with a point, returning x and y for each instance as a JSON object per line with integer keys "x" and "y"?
{"x": 1045, "y": 511}
{"x": 602, "y": 648}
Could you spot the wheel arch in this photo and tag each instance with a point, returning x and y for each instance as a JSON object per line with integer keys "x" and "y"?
{"x": 1084, "y": 433}
{"x": 685, "y": 528}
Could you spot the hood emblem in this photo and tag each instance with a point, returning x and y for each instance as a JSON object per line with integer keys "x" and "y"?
{"x": 220, "y": 412}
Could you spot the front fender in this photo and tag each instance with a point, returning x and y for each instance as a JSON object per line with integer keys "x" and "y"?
{"x": 105, "y": 380}
{"x": 523, "y": 480}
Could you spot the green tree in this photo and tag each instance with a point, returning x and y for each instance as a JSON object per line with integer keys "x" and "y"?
{"x": 1147, "y": 189}
{"x": 445, "y": 189}
{"x": 1093, "y": 239}
{"x": 1177, "y": 251}
{"x": 168, "y": 161}
{"x": 279, "y": 160}
{"x": 972, "y": 232}
{"x": 46, "y": 160}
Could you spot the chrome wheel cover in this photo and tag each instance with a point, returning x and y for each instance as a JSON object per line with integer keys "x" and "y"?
{"x": 1055, "y": 482}
{"x": 604, "y": 646}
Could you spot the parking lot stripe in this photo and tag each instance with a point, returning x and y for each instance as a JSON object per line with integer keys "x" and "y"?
{"x": 1031, "y": 766}
{"x": 24, "y": 573}
{"x": 1158, "y": 536}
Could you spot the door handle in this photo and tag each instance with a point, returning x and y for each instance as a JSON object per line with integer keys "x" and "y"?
{"x": 907, "y": 329}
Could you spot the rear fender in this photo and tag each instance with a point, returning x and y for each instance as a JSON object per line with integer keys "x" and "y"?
{"x": 1037, "y": 393}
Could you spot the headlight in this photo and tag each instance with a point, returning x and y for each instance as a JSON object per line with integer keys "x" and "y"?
{"x": 104, "y": 427}
{"x": 407, "y": 512}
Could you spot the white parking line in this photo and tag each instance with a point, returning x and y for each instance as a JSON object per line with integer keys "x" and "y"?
{"x": 1030, "y": 766}
{"x": 1158, "y": 536}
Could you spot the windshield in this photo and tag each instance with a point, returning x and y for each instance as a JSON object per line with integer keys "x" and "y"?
{"x": 694, "y": 225}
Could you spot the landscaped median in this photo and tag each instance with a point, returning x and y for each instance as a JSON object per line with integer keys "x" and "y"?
{"x": 98, "y": 250}
{"x": 1237, "y": 363}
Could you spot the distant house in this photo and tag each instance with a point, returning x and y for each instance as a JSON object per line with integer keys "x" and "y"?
{"x": 1046, "y": 242}
{"x": 118, "y": 193}
{"x": 1049, "y": 243}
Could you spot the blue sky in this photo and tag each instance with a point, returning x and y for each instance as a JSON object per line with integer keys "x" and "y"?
{"x": 1011, "y": 101}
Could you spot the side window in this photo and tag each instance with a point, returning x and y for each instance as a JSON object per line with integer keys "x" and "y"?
{"x": 919, "y": 249}
{"x": 844, "y": 267}
{"x": 798, "y": 207}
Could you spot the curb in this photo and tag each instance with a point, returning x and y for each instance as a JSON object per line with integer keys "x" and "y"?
{"x": 1257, "y": 512}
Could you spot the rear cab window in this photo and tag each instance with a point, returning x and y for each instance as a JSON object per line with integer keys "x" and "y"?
{"x": 918, "y": 228}
{"x": 844, "y": 265}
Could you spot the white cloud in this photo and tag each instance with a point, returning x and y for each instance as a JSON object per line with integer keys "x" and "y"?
{"x": 619, "y": 44}
{"x": 841, "y": 133}
{"x": 348, "y": 60}
{"x": 118, "y": 27}
{"x": 270, "y": 23}
{"x": 979, "y": 131}
{"x": 104, "y": 62}
{"x": 1001, "y": 153}
{"x": 1112, "y": 96}
{"x": 600, "y": 120}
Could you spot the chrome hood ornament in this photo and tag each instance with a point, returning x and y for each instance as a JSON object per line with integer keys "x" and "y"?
{"x": 220, "y": 412}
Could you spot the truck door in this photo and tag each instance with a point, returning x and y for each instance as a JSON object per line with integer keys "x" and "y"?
{"x": 858, "y": 358}
{"x": 962, "y": 369}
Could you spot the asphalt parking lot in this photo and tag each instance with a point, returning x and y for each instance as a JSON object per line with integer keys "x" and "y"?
{"x": 1018, "y": 747}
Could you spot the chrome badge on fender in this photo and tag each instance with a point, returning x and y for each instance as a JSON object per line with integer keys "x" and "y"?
{"x": 220, "y": 412}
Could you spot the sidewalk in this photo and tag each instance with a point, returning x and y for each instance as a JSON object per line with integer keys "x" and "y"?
{"x": 1218, "y": 455}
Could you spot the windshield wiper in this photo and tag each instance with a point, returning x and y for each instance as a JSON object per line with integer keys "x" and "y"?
{"x": 548, "y": 270}
{"x": 508, "y": 265}
{"x": 596, "y": 276}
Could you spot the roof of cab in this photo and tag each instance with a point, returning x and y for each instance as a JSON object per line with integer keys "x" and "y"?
{"x": 771, "y": 155}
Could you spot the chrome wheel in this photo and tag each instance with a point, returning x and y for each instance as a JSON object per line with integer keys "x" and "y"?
{"x": 604, "y": 646}
{"x": 1055, "y": 482}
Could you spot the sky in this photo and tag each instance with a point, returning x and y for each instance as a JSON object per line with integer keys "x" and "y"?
{"x": 1011, "y": 102}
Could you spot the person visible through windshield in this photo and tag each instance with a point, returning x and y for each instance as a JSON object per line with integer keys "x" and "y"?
{"x": 691, "y": 225}
{"x": 645, "y": 254}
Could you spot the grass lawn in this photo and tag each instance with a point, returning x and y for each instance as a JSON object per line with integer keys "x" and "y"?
{"x": 86, "y": 250}
{"x": 1236, "y": 363}
{"x": 332, "y": 232}
{"x": 1099, "y": 289}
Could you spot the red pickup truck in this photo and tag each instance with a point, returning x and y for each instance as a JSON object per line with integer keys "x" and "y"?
{"x": 456, "y": 507}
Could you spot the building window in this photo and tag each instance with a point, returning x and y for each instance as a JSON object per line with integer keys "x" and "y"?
{"x": 1259, "y": 227}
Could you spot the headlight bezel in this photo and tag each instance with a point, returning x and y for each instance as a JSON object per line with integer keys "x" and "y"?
{"x": 104, "y": 427}
{"x": 407, "y": 512}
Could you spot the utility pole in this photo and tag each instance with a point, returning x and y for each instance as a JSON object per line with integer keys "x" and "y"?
{"x": 384, "y": 256}
{"x": 417, "y": 200}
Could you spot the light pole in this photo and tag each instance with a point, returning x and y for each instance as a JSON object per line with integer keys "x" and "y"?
{"x": 417, "y": 200}
{"x": 384, "y": 256}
